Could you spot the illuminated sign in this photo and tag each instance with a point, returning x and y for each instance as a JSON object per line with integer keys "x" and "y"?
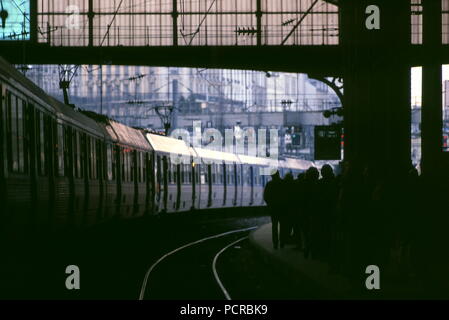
{"x": 328, "y": 142}
{"x": 15, "y": 20}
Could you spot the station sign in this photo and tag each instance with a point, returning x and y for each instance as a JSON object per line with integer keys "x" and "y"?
{"x": 328, "y": 142}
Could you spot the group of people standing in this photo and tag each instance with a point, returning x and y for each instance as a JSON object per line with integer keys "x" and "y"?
{"x": 303, "y": 210}
{"x": 366, "y": 215}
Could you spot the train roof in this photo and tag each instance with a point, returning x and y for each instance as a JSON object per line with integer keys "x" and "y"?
{"x": 167, "y": 145}
{"x": 8, "y": 71}
{"x": 127, "y": 136}
{"x": 216, "y": 156}
{"x": 64, "y": 112}
{"x": 75, "y": 118}
{"x": 296, "y": 164}
{"x": 245, "y": 159}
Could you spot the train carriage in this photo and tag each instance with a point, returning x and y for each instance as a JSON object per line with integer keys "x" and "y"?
{"x": 21, "y": 170}
{"x": 218, "y": 190}
{"x": 61, "y": 167}
{"x": 257, "y": 170}
{"x": 78, "y": 169}
{"x": 173, "y": 166}
{"x": 131, "y": 163}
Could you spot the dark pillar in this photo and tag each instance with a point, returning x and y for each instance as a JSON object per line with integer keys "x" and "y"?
{"x": 432, "y": 105}
{"x": 376, "y": 85}
{"x": 259, "y": 22}
{"x": 33, "y": 21}
{"x": 91, "y": 16}
{"x": 175, "y": 15}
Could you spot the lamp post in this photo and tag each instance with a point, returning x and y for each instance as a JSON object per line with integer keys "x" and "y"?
{"x": 165, "y": 114}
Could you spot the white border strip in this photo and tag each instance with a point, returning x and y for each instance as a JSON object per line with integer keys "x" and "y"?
{"x": 214, "y": 267}
{"x": 147, "y": 275}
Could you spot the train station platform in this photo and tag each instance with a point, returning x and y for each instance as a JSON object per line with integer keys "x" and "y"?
{"x": 317, "y": 278}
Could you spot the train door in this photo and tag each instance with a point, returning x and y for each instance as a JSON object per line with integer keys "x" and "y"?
{"x": 147, "y": 176}
{"x": 68, "y": 167}
{"x": 236, "y": 188}
{"x": 135, "y": 166}
{"x": 251, "y": 184}
{"x": 151, "y": 174}
{"x": 178, "y": 181}
{"x": 165, "y": 183}
{"x": 224, "y": 183}
{"x": 209, "y": 184}
{"x": 158, "y": 182}
{"x": 119, "y": 161}
{"x": 194, "y": 184}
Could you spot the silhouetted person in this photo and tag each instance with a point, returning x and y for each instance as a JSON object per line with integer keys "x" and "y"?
{"x": 349, "y": 207}
{"x": 272, "y": 197}
{"x": 288, "y": 208}
{"x": 298, "y": 217}
{"x": 325, "y": 215}
{"x": 309, "y": 208}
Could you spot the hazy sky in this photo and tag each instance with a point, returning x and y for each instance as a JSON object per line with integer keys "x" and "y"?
{"x": 416, "y": 82}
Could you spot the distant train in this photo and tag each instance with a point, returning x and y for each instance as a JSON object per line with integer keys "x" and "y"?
{"x": 64, "y": 168}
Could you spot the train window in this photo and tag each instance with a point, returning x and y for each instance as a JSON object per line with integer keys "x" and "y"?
{"x": 76, "y": 153}
{"x": 189, "y": 172}
{"x": 82, "y": 142}
{"x": 127, "y": 159}
{"x": 220, "y": 173}
{"x": 40, "y": 139}
{"x": 20, "y": 134}
{"x": 126, "y": 169}
{"x": 127, "y": 166}
{"x": 181, "y": 172}
{"x": 169, "y": 172}
{"x": 91, "y": 150}
{"x": 14, "y": 160}
{"x": 214, "y": 173}
{"x": 60, "y": 149}
{"x": 132, "y": 165}
{"x": 256, "y": 175}
{"x": 144, "y": 166}
{"x": 203, "y": 174}
{"x": 175, "y": 173}
{"x": 109, "y": 162}
{"x": 113, "y": 162}
{"x": 204, "y": 177}
{"x": 139, "y": 166}
{"x": 98, "y": 171}
{"x": 89, "y": 157}
{"x": 158, "y": 170}
{"x": 66, "y": 151}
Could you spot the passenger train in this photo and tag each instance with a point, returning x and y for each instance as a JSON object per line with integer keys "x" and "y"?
{"x": 60, "y": 167}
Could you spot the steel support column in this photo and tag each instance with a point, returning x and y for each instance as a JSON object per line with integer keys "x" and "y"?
{"x": 432, "y": 113}
{"x": 377, "y": 85}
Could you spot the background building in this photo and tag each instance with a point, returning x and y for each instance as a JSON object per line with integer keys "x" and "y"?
{"x": 222, "y": 99}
